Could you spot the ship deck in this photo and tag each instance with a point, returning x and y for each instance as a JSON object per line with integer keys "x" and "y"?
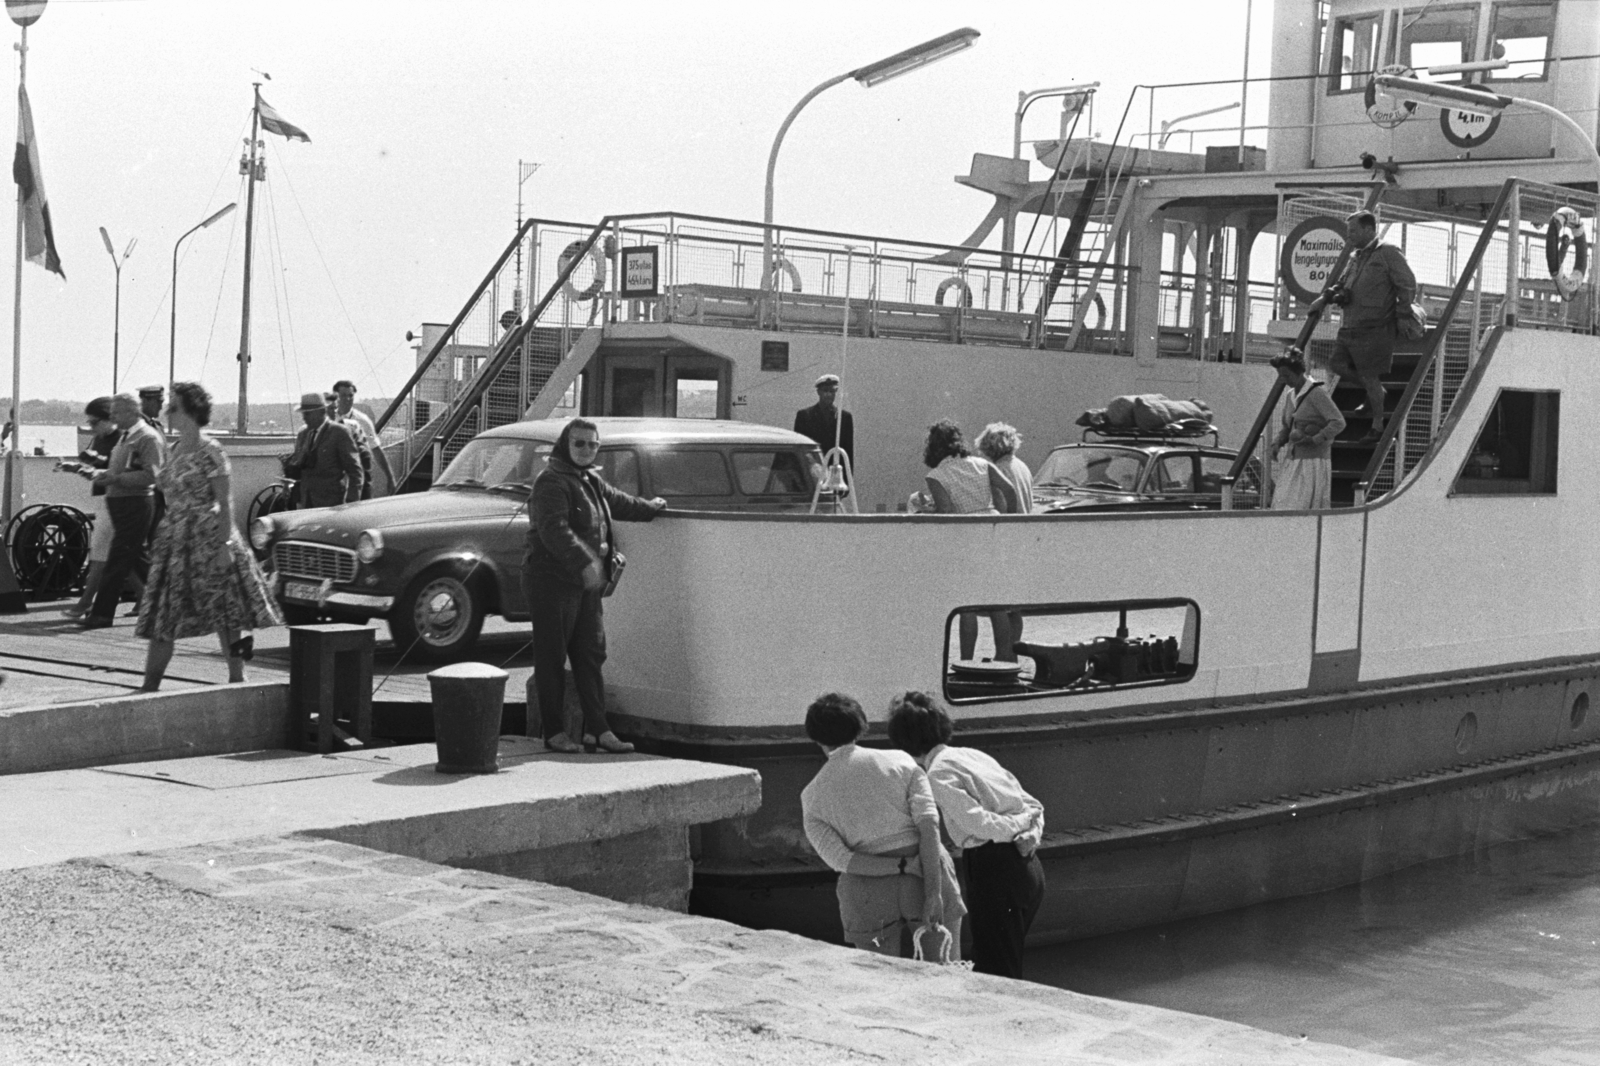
{"x": 47, "y": 659}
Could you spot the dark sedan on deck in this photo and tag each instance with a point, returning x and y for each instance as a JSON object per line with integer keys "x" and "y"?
{"x": 435, "y": 563}
{"x": 1141, "y": 474}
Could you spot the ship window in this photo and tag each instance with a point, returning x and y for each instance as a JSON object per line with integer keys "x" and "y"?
{"x": 771, "y": 473}
{"x": 1521, "y": 34}
{"x": 1355, "y": 53}
{"x": 1515, "y": 453}
{"x": 1436, "y": 36}
{"x": 1014, "y": 651}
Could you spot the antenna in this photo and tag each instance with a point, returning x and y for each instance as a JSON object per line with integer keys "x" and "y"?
{"x": 264, "y": 75}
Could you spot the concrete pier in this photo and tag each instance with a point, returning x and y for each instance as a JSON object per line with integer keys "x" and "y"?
{"x": 337, "y": 909}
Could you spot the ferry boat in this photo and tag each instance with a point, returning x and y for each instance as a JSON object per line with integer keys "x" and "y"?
{"x": 1216, "y": 708}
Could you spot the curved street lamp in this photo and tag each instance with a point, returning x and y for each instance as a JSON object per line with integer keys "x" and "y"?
{"x": 116, "y": 321}
{"x": 172, "y": 336}
{"x": 1479, "y": 101}
{"x": 871, "y": 74}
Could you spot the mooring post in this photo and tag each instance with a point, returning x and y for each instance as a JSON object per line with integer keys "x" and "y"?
{"x": 468, "y": 700}
{"x": 330, "y": 685}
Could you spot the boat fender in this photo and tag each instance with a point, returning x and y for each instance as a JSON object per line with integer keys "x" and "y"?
{"x": 596, "y": 256}
{"x": 780, "y": 264}
{"x": 1564, "y": 231}
{"x": 953, "y": 283}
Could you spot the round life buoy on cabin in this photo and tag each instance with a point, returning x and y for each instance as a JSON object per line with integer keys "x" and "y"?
{"x": 1564, "y": 233}
{"x": 783, "y": 266}
{"x": 1099, "y": 313}
{"x": 571, "y": 252}
{"x": 953, "y": 283}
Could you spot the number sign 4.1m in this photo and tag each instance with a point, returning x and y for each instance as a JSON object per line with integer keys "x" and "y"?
{"x": 1309, "y": 253}
{"x": 640, "y": 276}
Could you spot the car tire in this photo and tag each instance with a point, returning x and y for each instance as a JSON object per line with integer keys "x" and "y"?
{"x": 438, "y": 617}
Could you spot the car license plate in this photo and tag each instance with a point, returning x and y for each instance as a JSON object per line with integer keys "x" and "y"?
{"x": 301, "y": 590}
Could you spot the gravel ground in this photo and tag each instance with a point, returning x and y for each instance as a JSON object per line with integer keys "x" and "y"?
{"x": 101, "y": 966}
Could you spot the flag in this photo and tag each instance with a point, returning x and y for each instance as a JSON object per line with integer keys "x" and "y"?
{"x": 273, "y": 122}
{"x": 39, "y": 239}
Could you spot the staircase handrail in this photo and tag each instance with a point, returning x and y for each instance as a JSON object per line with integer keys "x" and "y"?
{"x": 1435, "y": 338}
{"x": 447, "y": 337}
{"x": 1247, "y": 447}
{"x": 463, "y": 403}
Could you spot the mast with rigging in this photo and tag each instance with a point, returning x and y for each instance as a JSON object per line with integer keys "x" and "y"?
{"x": 255, "y": 169}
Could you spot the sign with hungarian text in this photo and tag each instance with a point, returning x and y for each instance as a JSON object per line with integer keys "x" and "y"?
{"x": 1310, "y": 252}
{"x": 640, "y": 277}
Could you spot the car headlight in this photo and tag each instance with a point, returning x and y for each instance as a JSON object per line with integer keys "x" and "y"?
{"x": 369, "y": 546}
{"x": 261, "y": 534}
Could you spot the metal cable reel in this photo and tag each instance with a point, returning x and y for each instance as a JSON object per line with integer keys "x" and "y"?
{"x": 49, "y": 546}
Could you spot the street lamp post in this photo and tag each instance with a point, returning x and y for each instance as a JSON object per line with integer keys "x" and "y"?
{"x": 172, "y": 336}
{"x": 869, "y": 75}
{"x": 116, "y": 321}
{"x": 1480, "y": 101}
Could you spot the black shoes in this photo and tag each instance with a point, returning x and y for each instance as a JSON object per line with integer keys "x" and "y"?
{"x": 94, "y": 621}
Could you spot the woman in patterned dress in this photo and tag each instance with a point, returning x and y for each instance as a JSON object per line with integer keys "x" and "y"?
{"x": 203, "y": 578}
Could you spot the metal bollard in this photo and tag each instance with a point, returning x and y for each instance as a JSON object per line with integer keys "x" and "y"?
{"x": 468, "y": 700}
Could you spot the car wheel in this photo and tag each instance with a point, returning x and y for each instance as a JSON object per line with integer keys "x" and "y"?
{"x": 438, "y": 617}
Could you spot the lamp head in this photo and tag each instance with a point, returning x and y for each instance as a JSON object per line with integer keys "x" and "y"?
{"x": 1479, "y": 101}
{"x": 104, "y": 236}
{"x": 913, "y": 58}
{"x": 218, "y": 215}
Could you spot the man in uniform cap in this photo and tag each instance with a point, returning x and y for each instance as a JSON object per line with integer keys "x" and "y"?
{"x": 325, "y": 462}
{"x": 151, "y": 398}
{"x": 824, "y": 423}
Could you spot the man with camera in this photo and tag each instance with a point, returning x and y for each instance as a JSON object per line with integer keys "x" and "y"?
{"x": 1376, "y": 289}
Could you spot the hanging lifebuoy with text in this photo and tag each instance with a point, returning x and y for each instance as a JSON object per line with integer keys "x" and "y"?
{"x": 1563, "y": 235}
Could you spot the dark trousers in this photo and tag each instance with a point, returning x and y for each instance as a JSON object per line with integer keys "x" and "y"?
{"x": 1004, "y": 891}
{"x": 129, "y": 555}
{"x": 568, "y": 623}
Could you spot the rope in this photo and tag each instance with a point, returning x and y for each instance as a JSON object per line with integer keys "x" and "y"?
{"x": 216, "y": 310}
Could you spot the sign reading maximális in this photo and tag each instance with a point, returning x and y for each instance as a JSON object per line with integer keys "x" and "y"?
{"x": 639, "y": 275}
{"x": 1309, "y": 253}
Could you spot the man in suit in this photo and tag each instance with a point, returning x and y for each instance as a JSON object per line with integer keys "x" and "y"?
{"x": 129, "y": 480}
{"x": 820, "y": 419}
{"x": 325, "y": 461}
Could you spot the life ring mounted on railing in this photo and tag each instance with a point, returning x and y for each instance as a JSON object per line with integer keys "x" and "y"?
{"x": 597, "y": 257}
{"x": 953, "y": 283}
{"x": 780, "y": 265}
{"x": 1565, "y": 231}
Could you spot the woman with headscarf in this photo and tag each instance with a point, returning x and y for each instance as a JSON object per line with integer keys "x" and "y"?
{"x": 570, "y": 561}
{"x": 1304, "y": 445}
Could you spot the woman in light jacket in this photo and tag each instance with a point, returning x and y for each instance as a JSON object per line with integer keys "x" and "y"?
{"x": 1304, "y": 445}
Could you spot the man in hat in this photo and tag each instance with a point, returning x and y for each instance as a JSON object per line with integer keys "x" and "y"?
{"x": 129, "y": 479}
{"x": 325, "y": 462}
{"x": 824, "y": 423}
{"x": 151, "y": 400}
{"x": 1377, "y": 287}
{"x": 366, "y": 435}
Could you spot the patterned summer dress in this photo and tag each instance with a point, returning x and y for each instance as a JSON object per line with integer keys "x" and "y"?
{"x": 192, "y": 590}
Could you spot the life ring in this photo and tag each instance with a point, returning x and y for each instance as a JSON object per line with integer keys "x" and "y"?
{"x": 953, "y": 283}
{"x": 779, "y": 263}
{"x": 571, "y": 252}
{"x": 1564, "y": 231}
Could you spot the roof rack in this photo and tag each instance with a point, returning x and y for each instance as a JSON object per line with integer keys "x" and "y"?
{"x": 1146, "y": 436}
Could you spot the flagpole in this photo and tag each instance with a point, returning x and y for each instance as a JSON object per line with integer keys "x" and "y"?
{"x": 249, "y": 234}
{"x": 14, "y": 456}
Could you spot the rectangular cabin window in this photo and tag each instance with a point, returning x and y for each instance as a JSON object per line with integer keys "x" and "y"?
{"x": 1015, "y": 651}
{"x": 620, "y": 468}
{"x": 1516, "y": 451}
{"x": 1355, "y": 53}
{"x": 1521, "y": 33}
{"x": 689, "y": 473}
{"x": 1436, "y": 36}
{"x": 774, "y": 473}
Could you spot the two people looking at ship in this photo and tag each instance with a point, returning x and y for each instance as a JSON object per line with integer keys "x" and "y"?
{"x": 874, "y": 816}
{"x": 1376, "y": 288}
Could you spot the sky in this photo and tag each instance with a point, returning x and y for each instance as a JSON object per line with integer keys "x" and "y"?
{"x": 419, "y": 112}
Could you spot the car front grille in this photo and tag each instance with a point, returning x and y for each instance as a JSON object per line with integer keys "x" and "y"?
{"x": 319, "y": 562}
